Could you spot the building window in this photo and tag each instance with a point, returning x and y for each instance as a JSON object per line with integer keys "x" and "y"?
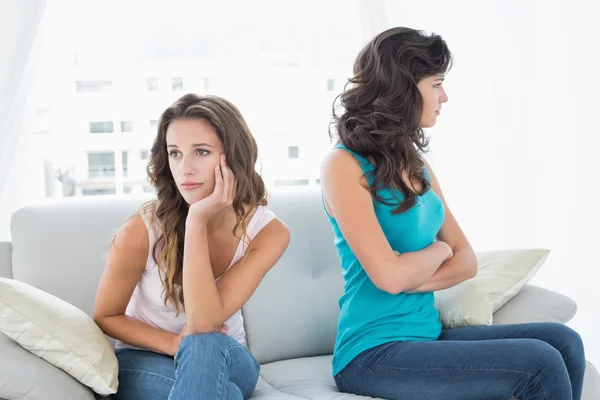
{"x": 153, "y": 126}
{"x": 101, "y": 164}
{"x": 126, "y": 126}
{"x": 330, "y": 85}
{"x": 97, "y": 192}
{"x": 93, "y": 86}
{"x": 144, "y": 155}
{"x": 101, "y": 127}
{"x": 293, "y": 152}
{"x": 177, "y": 84}
{"x": 125, "y": 164}
{"x": 152, "y": 84}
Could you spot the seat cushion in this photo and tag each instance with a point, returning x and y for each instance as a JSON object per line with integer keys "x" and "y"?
{"x": 264, "y": 391}
{"x": 308, "y": 378}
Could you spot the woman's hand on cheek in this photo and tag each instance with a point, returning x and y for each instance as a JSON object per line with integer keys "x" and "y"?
{"x": 221, "y": 197}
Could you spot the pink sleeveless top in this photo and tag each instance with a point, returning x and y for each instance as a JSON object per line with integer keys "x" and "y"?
{"x": 147, "y": 303}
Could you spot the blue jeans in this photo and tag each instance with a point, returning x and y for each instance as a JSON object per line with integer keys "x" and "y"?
{"x": 530, "y": 361}
{"x": 207, "y": 366}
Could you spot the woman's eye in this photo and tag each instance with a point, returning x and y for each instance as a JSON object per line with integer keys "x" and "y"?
{"x": 174, "y": 154}
{"x": 201, "y": 152}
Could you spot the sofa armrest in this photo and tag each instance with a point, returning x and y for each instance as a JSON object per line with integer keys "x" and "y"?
{"x": 535, "y": 304}
{"x": 26, "y": 376}
{"x": 6, "y": 260}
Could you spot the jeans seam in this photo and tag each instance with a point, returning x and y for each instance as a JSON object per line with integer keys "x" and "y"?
{"x": 348, "y": 385}
{"x": 372, "y": 368}
{"x": 468, "y": 369}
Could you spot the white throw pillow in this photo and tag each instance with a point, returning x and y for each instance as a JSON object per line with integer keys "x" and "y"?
{"x": 59, "y": 333}
{"x": 500, "y": 277}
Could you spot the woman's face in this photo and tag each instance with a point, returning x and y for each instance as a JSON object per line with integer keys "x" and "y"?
{"x": 194, "y": 148}
{"x": 433, "y": 94}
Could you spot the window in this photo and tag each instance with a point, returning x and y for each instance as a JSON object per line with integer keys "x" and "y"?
{"x": 152, "y": 84}
{"x": 101, "y": 127}
{"x": 93, "y": 86}
{"x": 101, "y": 164}
{"x": 126, "y": 126}
{"x": 293, "y": 152}
{"x": 177, "y": 84}
{"x": 125, "y": 166}
{"x": 330, "y": 85}
{"x": 170, "y": 54}
{"x": 97, "y": 192}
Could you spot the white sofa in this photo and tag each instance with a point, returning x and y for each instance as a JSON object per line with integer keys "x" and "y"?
{"x": 290, "y": 321}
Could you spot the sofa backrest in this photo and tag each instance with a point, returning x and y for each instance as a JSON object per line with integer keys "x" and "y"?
{"x": 5, "y": 260}
{"x": 60, "y": 248}
{"x": 294, "y": 311}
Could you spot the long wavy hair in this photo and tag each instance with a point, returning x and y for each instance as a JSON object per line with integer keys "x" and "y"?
{"x": 170, "y": 210}
{"x": 382, "y": 108}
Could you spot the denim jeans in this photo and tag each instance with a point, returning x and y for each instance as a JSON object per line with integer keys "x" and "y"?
{"x": 207, "y": 366}
{"x": 530, "y": 361}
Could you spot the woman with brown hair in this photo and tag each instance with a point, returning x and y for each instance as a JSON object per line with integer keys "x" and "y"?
{"x": 179, "y": 270}
{"x": 399, "y": 242}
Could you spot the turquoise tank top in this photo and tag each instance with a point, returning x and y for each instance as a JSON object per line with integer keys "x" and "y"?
{"x": 369, "y": 316}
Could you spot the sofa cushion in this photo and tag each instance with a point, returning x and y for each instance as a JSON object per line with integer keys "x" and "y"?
{"x": 264, "y": 391}
{"x": 24, "y": 376}
{"x": 535, "y": 304}
{"x": 308, "y": 378}
{"x": 500, "y": 276}
{"x": 59, "y": 333}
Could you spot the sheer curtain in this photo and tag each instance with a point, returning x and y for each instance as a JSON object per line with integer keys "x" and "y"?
{"x": 19, "y": 27}
{"x": 517, "y": 146}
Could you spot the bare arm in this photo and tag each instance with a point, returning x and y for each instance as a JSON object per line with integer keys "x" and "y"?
{"x": 126, "y": 262}
{"x": 463, "y": 264}
{"x": 209, "y": 304}
{"x": 351, "y": 204}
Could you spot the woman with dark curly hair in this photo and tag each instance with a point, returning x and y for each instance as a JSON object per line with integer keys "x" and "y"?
{"x": 398, "y": 243}
{"x": 179, "y": 270}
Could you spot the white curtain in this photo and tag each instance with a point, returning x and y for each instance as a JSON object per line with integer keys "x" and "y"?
{"x": 19, "y": 27}
{"x": 517, "y": 147}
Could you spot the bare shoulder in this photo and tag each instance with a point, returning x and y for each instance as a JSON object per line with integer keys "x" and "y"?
{"x": 340, "y": 161}
{"x": 132, "y": 240}
{"x": 275, "y": 234}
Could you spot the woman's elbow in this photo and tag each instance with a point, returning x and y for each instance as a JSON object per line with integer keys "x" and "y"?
{"x": 471, "y": 268}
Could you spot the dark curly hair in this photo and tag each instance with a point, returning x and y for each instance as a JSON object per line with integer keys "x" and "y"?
{"x": 382, "y": 108}
{"x": 170, "y": 209}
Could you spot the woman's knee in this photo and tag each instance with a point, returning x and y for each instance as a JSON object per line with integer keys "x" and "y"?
{"x": 565, "y": 339}
{"x": 207, "y": 346}
{"x": 542, "y": 355}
